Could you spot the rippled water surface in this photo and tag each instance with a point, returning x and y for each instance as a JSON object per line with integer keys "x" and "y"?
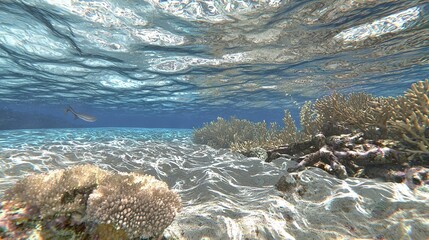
{"x": 180, "y": 56}
{"x": 182, "y": 61}
{"x": 226, "y": 195}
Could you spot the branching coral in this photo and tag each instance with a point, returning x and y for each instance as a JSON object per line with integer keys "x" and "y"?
{"x": 222, "y": 133}
{"x": 243, "y": 136}
{"x": 138, "y": 205}
{"x": 308, "y": 122}
{"x": 411, "y": 117}
{"x": 289, "y": 133}
{"x": 377, "y": 117}
{"x": 355, "y": 111}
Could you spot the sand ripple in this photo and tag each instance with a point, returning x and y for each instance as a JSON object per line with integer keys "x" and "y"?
{"x": 226, "y": 195}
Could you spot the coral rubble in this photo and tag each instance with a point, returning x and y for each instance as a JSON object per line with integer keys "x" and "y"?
{"x": 80, "y": 201}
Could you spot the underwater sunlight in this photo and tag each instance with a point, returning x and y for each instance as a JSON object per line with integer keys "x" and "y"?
{"x": 214, "y": 120}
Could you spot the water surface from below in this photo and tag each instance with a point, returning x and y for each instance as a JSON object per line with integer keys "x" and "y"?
{"x": 157, "y": 57}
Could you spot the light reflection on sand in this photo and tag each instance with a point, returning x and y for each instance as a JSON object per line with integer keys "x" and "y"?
{"x": 225, "y": 195}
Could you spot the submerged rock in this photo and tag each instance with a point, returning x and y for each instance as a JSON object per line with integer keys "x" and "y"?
{"x": 257, "y": 152}
{"x": 286, "y": 183}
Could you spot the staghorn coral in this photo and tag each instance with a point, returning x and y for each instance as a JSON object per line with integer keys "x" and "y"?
{"x": 308, "y": 123}
{"x": 222, "y": 133}
{"x": 411, "y": 117}
{"x": 243, "y": 136}
{"x": 339, "y": 113}
{"x": 289, "y": 133}
{"x": 136, "y": 204}
{"x": 265, "y": 138}
{"x": 377, "y": 117}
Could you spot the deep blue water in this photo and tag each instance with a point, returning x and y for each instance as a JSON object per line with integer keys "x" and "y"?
{"x": 181, "y": 63}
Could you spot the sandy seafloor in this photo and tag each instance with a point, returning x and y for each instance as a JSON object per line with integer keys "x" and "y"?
{"x": 226, "y": 195}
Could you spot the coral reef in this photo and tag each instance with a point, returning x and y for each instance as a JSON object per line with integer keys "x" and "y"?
{"x": 411, "y": 118}
{"x": 243, "y": 136}
{"x": 349, "y": 135}
{"x": 81, "y": 200}
{"x": 58, "y": 192}
{"x": 348, "y": 155}
{"x": 140, "y": 205}
{"x": 16, "y": 221}
{"x": 224, "y": 133}
{"x": 339, "y": 113}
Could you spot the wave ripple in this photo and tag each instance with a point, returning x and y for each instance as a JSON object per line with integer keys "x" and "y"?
{"x": 204, "y": 56}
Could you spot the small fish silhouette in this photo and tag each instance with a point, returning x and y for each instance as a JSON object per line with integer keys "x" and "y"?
{"x": 84, "y": 117}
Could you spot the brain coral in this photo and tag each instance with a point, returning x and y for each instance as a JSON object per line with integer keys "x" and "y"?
{"x": 138, "y": 204}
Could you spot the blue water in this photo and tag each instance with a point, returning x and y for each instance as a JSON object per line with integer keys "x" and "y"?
{"x": 181, "y": 63}
{"x": 40, "y": 150}
{"x": 151, "y": 71}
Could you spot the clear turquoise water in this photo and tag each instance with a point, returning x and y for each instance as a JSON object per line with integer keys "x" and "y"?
{"x": 179, "y": 63}
{"x": 173, "y": 65}
{"x": 123, "y": 149}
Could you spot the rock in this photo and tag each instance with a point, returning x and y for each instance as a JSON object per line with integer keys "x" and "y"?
{"x": 286, "y": 183}
{"x": 416, "y": 177}
{"x": 257, "y": 152}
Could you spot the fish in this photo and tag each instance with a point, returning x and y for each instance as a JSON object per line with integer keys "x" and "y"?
{"x": 84, "y": 117}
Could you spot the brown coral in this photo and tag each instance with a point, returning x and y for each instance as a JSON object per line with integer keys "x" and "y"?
{"x": 138, "y": 204}
{"x": 58, "y": 192}
{"x": 355, "y": 111}
{"x": 222, "y": 133}
{"x": 141, "y": 205}
{"x": 243, "y": 136}
{"x": 411, "y": 117}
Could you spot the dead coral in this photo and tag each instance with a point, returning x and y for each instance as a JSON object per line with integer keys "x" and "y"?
{"x": 347, "y": 155}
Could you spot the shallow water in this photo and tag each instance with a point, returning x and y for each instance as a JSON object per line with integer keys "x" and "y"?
{"x": 226, "y": 195}
{"x": 218, "y": 57}
{"x": 181, "y": 63}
